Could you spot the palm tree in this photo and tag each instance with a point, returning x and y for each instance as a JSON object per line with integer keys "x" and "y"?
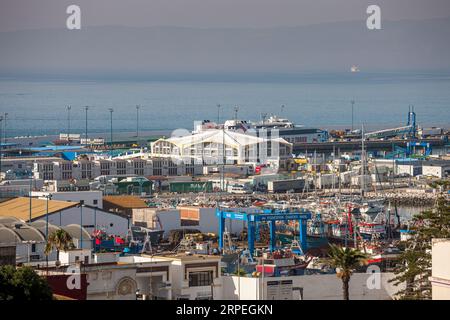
{"x": 345, "y": 260}
{"x": 59, "y": 240}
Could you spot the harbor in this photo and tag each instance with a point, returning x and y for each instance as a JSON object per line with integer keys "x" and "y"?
{"x": 223, "y": 159}
{"x": 258, "y": 200}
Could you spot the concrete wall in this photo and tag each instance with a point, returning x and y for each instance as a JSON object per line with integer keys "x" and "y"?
{"x": 110, "y": 223}
{"x": 315, "y": 287}
{"x": 435, "y": 171}
{"x": 440, "y": 269}
{"x": 180, "y": 285}
{"x": 92, "y": 198}
{"x": 103, "y": 284}
{"x": 412, "y": 170}
{"x": 210, "y": 223}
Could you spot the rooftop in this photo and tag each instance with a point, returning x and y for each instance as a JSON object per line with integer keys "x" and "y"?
{"x": 20, "y": 207}
{"x": 126, "y": 202}
{"x": 186, "y": 257}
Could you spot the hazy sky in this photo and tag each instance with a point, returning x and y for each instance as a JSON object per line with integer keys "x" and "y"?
{"x": 37, "y": 14}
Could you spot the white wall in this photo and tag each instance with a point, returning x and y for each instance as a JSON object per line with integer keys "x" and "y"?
{"x": 103, "y": 284}
{"x": 68, "y": 257}
{"x": 440, "y": 269}
{"x": 180, "y": 286}
{"x": 434, "y": 171}
{"x": 88, "y": 197}
{"x": 315, "y": 287}
{"x": 109, "y": 222}
{"x": 210, "y": 223}
{"x": 170, "y": 220}
{"x": 23, "y": 250}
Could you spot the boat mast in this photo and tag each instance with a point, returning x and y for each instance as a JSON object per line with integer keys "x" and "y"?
{"x": 363, "y": 163}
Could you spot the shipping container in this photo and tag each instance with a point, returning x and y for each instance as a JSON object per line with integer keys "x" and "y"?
{"x": 286, "y": 185}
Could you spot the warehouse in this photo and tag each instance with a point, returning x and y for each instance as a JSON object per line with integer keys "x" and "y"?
{"x": 28, "y": 239}
{"x": 439, "y": 169}
{"x": 63, "y": 213}
{"x": 213, "y": 146}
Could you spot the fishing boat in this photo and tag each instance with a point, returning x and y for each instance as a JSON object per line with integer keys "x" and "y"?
{"x": 140, "y": 234}
{"x": 282, "y": 262}
{"x": 354, "y": 69}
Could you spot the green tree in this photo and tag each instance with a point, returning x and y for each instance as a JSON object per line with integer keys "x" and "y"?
{"x": 23, "y": 284}
{"x": 60, "y": 240}
{"x": 414, "y": 267}
{"x": 345, "y": 260}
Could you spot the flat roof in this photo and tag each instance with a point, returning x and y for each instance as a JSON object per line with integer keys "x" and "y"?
{"x": 30, "y": 159}
{"x": 186, "y": 257}
{"x": 20, "y": 207}
{"x": 437, "y": 163}
{"x": 127, "y": 202}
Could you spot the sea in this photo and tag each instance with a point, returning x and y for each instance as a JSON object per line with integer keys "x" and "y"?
{"x": 38, "y": 105}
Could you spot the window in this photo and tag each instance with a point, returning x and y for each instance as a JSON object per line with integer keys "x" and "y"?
{"x": 95, "y": 201}
{"x": 198, "y": 279}
{"x": 33, "y": 247}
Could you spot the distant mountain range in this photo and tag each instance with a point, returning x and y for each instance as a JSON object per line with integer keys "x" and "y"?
{"x": 401, "y": 46}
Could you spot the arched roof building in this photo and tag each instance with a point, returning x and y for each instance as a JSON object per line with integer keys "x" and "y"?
{"x": 210, "y": 146}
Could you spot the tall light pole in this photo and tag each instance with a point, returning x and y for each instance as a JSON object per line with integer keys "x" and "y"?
{"x": 81, "y": 225}
{"x": 111, "y": 110}
{"x": 31, "y": 188}
{"x": 353, "y": 105}
{"x": 86, "y": 108}
{"x": 1, "y": 145}
{"x": 218, "y": 114}
{"x": 48, "y": 197}
{"x": 4, "y": 127}
{"x": 68, "y": 123}
{"x": 137, "y": 120}
{"x": 236, "y": 110}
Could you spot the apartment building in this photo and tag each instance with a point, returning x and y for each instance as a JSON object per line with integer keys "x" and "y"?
{"x": 91, "y": 168}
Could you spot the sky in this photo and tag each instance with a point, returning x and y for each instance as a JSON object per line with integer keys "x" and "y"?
{"x": 42, "y": 14}
{"x": 286, "y": 36}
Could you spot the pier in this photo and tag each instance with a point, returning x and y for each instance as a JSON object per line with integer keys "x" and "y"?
{"x": 370, "y": 145}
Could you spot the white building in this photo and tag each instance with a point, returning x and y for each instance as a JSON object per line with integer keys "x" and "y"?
{"x": 440, "y": 271}
{"x": 175, "y": 276}
{"x": 411, "y": 168}
{"x": 439, "y": 169}
{"x": 63, "y": 213}
{"x": 195, "y": 277}
{"x": 29, "y": 239}
{"x": 158, "y": 218}
{"x": 306, "y": 287}
{"x": 91, "y": 198}
{"x": 214, "y": 146}
{"x": 91, "y": 168}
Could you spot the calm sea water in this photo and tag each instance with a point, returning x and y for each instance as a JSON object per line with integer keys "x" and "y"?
{"x": 36, "y": 106}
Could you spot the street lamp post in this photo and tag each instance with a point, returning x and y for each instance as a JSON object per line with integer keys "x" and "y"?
{"x": 218, "y": 114}
{"x": 137, "y": 121}
{"x": 353, "y": 105}
{"x": 111, "y": 110}
{"x": 239, "y": 275}
{"x": 86, "y": 108}
{"x": 31, "y": 188}
{"x": 48, "y": 197}
{"x": 1, "y": 145}
{"x": 68, "y": 123}
{"x": 4, "y": 128}
{"x": 81, "y": 226}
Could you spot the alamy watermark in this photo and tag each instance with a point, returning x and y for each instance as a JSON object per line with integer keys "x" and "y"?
{"x": 73, "y": 21}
